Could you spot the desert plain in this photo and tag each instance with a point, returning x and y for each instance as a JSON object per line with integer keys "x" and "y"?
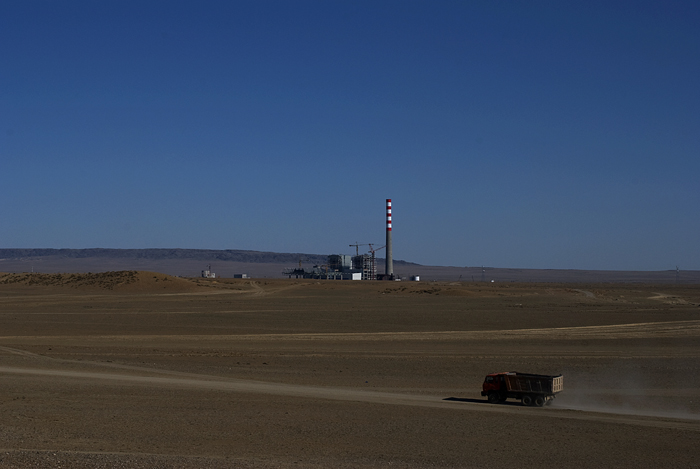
{"x": 141, "y": 369}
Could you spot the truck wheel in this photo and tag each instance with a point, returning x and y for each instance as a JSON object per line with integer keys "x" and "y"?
{"x": 539, "y": 401}
{"x": 527, "y": 400}
{"x": 494, "y": 397}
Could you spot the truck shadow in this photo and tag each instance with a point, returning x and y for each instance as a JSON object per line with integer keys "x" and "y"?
{"x": 480, "y": 401}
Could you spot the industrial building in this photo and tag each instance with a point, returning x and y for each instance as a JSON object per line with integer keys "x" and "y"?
{"x": 339, "y": 267}
{"x": 358, "y": 267}
{"x": 208, "y": 273}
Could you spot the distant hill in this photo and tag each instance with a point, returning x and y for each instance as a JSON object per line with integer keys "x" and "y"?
{"x": 158, "y": 254}
{"x": 122, "y": 281}
{"x": 259, "y": 264}
{"x": 228, "y": 255}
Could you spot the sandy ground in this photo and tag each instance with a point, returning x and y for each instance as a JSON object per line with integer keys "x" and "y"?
{"x": 145, "y": 370}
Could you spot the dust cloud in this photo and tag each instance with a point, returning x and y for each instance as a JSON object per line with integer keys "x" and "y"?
{"x": 663, "y": 388}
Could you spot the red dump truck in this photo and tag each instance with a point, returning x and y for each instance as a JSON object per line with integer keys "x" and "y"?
{"x": 532, "y": 390}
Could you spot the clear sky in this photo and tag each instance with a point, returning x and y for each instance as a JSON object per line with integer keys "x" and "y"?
{"x": 533, "y": 134}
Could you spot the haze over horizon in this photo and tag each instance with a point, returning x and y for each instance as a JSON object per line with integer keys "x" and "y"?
{"x": 547, "y": 135}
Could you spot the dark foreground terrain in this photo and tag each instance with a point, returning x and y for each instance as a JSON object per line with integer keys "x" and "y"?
{"x": 138, "y": 369}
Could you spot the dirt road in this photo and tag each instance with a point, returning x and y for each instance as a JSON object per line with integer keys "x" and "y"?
{"x": 315, "y": 392}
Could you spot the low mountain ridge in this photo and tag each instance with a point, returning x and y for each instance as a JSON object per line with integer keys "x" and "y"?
{"x": 234, "y": 255}
{"x": 261, "y": 264}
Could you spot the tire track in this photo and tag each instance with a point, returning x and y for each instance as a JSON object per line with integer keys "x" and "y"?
{"x": 669, "y": 329}
{"x": 203, "y": 382}
{"x": 23, "y": 353}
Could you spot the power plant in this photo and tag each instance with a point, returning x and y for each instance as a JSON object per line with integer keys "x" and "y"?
{"x": 357, "y": 267}
{"x": 389, "y": 252}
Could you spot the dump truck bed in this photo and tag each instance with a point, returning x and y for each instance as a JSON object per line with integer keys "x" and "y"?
{"x": 534, "y": 384}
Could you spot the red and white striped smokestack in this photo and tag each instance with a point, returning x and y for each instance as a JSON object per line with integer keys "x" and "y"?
{"x": 389, "y": 251}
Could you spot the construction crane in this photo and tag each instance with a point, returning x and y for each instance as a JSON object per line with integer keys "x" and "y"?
{"x": 373, "y": 251}
{"x": 373, "y": 261}
{"x": 357, "y": 247}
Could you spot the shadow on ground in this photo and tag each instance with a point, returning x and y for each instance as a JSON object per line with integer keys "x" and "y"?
{"x": 479, "y": 401}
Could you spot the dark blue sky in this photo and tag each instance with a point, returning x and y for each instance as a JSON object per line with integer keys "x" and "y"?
{"x": 508, "y": 134}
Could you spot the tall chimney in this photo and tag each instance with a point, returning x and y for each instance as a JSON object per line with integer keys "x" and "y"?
{"x": 389, "y": 252}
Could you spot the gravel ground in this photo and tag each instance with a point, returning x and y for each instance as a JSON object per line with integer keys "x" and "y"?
{"x": 335, "y": 374}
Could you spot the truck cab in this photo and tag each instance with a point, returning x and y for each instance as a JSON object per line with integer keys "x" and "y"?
{"x": 495, "y": 387}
